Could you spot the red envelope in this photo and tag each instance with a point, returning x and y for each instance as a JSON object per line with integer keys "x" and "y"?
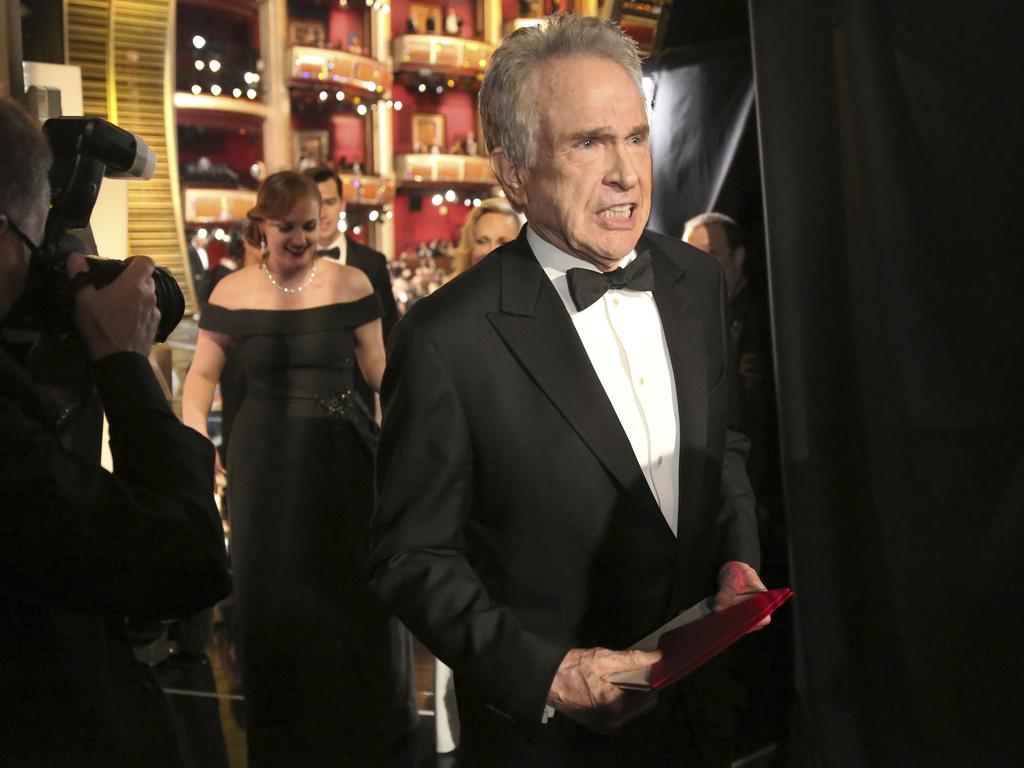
{"x": 687, "y": 647}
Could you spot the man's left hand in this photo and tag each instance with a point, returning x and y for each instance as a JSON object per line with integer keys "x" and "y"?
{"x": 736, "y": 581}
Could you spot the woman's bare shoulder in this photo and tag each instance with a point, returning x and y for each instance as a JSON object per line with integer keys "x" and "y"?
{"x": 232, "y": 290}
{"x": 347, "y": 283}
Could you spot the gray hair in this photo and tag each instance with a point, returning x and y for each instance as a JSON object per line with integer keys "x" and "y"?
{"x": 508, "y": 104}
{"x": 733, "y": 233}
{"x": 24, "y": 164}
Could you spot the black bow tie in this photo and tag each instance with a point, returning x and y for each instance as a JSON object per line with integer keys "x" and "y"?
{"x": 331, "y": 253}
{"x": 587, "y": 286}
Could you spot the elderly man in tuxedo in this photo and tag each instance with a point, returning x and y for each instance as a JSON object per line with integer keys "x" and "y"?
{"x": 556, "y": 474}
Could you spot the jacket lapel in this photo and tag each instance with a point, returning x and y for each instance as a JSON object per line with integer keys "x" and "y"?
{"x": 539, "y": 332}
{"x": 684, "y": 337}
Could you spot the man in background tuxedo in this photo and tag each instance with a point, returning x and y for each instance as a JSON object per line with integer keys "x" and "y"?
{"x": 339, "y": 246}
{"x": 335, "y": 244}
{"x": 556, "y": 475}
{"x": 83, "y": 550}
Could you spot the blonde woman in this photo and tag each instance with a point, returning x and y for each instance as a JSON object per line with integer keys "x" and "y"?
{"x": 490, "y": 224}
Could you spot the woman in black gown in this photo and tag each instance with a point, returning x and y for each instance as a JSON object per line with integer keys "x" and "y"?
{"x": 326, "y": 670}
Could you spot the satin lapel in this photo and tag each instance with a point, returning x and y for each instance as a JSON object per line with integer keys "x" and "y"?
{"x": 684, "y": 336}
{"x": 536, "y": 328}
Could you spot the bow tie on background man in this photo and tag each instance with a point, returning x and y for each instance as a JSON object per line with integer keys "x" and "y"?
{"x": 331, "y": 253}
{"x": 587, "y": 286}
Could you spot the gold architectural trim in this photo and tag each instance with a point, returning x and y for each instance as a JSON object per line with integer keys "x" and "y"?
{"x": 111, "y": 72}
{"x": 217, "y": 205}
{"x": 171, "y": 137}
{"x": 442, "y": 54}
{"x": 367, "y": 190}
{"x": 87, "y": 31}
{"x": 202, "y": 102}
{"x": 142, "y": 64}
{"x": 422, "y": 170}
{"x": 207, "y": 205}
{"x": 324, "y": 66}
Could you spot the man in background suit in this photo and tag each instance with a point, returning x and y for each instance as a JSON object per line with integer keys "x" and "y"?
{"x": 335, "y": 244}
{"x": 720, "y": 236}
{"x": 556, "y": 477}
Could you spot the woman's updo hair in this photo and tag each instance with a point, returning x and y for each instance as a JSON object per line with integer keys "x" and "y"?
{"x": 277, "y": 195}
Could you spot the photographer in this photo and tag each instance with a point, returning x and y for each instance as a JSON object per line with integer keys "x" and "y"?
{"x": 83, "y": 550}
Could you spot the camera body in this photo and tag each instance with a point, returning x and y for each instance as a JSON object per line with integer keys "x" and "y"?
{"x": 85, "y": 150}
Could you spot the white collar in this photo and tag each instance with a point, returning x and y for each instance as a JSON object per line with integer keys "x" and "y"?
{"x": 555, "y": 262}
{"x": 339, "y": 242}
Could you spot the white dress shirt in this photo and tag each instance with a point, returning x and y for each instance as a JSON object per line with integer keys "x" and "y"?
{"x": 625, "y": 342}
{"x": 342, "y": 245}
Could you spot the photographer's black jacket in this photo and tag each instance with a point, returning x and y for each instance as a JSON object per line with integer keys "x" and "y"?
{"x": 82, "y": 548}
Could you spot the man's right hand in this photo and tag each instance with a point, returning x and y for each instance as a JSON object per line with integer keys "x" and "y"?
{"x": 121, "y": 317}
{"x": 581, "y": 690}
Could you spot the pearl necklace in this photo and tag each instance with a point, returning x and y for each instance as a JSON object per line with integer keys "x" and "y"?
{"x": 285, "y": 288}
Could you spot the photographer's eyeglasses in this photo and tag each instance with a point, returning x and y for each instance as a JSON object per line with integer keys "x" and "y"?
{"x": 32, "y": 247}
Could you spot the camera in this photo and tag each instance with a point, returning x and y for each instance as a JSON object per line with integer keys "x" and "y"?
{"x": 85, "y": 150}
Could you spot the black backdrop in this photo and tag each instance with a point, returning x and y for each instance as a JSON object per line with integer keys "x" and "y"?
{"x": 893, "y": 163}
{"x": 703, "y": 110}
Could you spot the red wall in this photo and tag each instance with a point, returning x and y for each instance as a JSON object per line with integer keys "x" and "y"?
{"x": 412, "y": 227}
{"x": 463, "y": 8}
{"x": 348, "y": 138}
{"x": 239, "y": 149}
{"x": 458, "y": 107}
{"x": 342, "y": 22}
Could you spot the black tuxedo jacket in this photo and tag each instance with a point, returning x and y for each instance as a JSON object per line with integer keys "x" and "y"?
{"x": 82, "y": 548}
{"x": 375, "y": 265}
{"x": 513, "y": 520}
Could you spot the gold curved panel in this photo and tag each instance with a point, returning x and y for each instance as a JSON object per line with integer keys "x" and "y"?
{"x": 126, "y": 51}
{"x": 87, "y": 25}
{"x": 142, "y": 54}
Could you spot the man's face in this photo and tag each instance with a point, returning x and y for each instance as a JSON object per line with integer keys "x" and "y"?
{"x": 330, "y": 211}
{"x": 712, "y": 239}
{"x": 589, "y": 191}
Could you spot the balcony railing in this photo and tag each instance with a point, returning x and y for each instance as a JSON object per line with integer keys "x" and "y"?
{"x": 340, "y": 68}
{"x": 450, "y": 55}
{"x": 430, "y": 170}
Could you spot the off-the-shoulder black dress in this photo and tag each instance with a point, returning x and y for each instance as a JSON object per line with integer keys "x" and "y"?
{"x": 326, "y": 670}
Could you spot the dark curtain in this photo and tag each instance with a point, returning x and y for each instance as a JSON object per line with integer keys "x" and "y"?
{"x": 893, "y": 163}
{"x": 703, "y": 110}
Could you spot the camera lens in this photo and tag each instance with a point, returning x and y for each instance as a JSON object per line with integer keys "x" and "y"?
{"x": 169, "y": 298}
{"x": 170, "y": 302}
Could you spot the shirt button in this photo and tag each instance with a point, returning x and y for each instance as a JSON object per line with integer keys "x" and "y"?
{"x": 640, "y": 381}
{"x": 660, "y": 460}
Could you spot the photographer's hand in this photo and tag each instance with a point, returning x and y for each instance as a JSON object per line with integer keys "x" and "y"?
{"x": 123, "y": 316}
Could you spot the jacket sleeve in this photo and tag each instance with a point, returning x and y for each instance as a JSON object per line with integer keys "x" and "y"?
{"x": 382, "y": 285}
{"x": 422, "y": 564}
{"x": 144, "y": 539}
